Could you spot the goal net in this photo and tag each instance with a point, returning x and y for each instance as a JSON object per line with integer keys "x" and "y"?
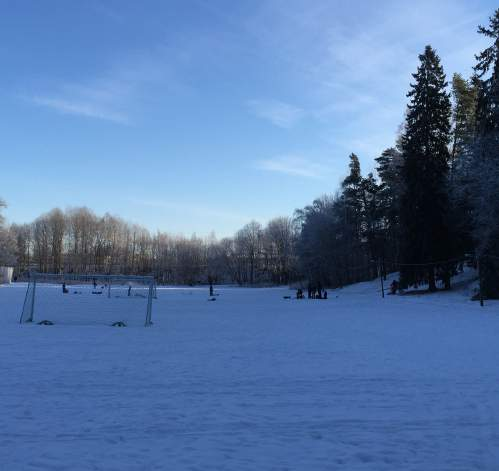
{"x": 89, "y": 299}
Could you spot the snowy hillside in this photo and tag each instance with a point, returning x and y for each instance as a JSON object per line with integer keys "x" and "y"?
{"x": 251, "y": 381}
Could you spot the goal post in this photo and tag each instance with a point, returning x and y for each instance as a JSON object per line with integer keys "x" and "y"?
{"x": 103, "y": 284}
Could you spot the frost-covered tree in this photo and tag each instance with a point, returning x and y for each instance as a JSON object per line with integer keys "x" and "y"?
{"x": 23, "y": 237}
{"x": 7, "y": 241}
{"x": 279, "y": 244}
{"x": 249, "y": 241}
{"x": 464, "y": 98}
{"x": 485, "y": 163}
{"x": 7, "y": 248}
{"x": 340, "y": 236}
{"x": 371, "y": 225}
{"x": 389, "y": 170}
{"x": 323, "y": 244}
{"x": 3, "y": 205}
{"x": 77, "y": 240}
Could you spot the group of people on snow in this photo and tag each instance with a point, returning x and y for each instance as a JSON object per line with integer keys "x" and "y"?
{"x": 313, "y": 292}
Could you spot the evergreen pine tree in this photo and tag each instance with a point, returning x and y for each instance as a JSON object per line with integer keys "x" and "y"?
{"x": 464, "y": 94}
{"x": 352, "y": 196}
{"x": 488, "y": 61}
{"x": 371, "y": 233}
{"x": 486, "y": 161}
{"x": 389, "y": 170}
{"x": 425, "y": 237}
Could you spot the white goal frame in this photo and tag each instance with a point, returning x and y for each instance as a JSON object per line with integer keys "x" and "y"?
{"x": 28, "y": 310}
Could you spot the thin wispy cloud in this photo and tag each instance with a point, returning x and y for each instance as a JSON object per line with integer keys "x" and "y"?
{"x": 115, "y": 94}
{"x": 315, "y": 80}
{"x": 283, "y": 115}
{"x": 292, "y": 165}
{"x": 347, "y": 66}
{"x": 108, "y": 98}
{"x": 89, "y": 110}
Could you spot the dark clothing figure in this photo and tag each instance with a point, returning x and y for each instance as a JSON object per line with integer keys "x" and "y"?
{"x": 325, "y": 294}
{"x": 210, "y": 282}
{"x": 299, "y": 294}
{"x": 95, "y": 283}
{"x": 129, "y": 289}
{"x": 64, "y": 289}
{"x": 394, "y": 287}
{"x": 309, "y": 291}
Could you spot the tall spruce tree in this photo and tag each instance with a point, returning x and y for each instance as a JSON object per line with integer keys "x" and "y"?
{"x": 425, "y": 233}
{"x": 353, "y": 197}
{"x": 488, "y": 62}
{"x": 389, "y": 170}
{"x": 464, "y": 97}
{"x": 486, "y": 161}
{"x": 371, "y": 234}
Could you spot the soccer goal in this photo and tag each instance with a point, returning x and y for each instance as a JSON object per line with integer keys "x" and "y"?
{"x": 89, "y": 299}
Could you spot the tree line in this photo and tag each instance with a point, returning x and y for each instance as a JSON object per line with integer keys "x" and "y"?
{"x": 434, "y": 200}
{"x": 431, "y": 202}
{"x": 79, "y": 241}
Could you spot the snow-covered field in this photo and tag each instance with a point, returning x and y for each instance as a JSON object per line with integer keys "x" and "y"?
{"x": 250, "y": 381}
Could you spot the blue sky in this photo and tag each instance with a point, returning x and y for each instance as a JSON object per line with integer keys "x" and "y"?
{"x": 193, "y": 116}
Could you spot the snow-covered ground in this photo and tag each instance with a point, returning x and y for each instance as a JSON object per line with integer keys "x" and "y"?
{"x": 251, "y": 381}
